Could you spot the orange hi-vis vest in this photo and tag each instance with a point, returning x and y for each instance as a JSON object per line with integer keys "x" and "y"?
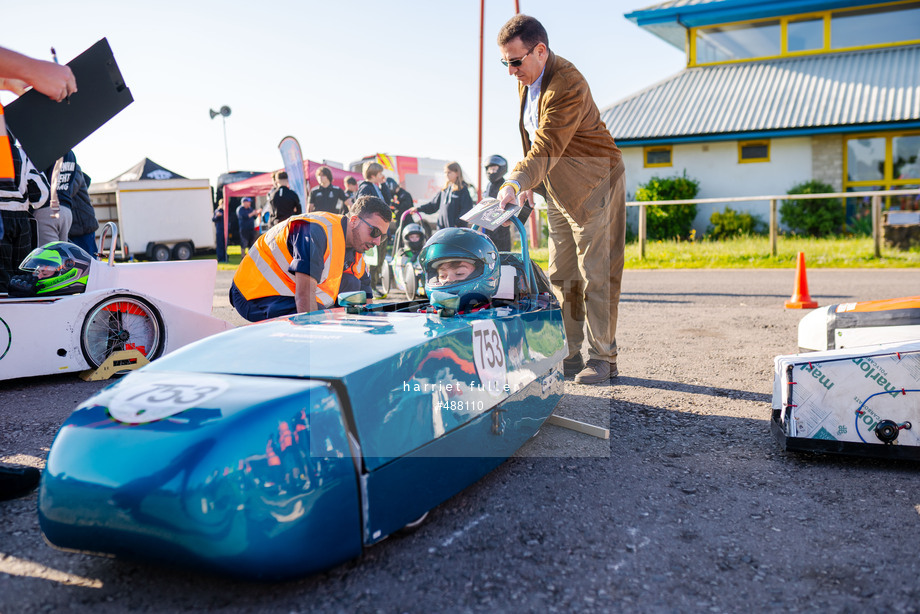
{"x": 264, "y": 270}
{"x": 6, "y": 151}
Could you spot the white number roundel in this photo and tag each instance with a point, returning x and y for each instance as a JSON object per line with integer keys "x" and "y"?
{"x": 489, "y": 356}
{"x": 159, "y": 397}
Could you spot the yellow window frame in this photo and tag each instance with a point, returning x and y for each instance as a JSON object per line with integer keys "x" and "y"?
{"x": 784, "y": 22}
{"x": 887, "y": 180}
{"x": 743, "y": 144}
{"x": 653, "y": 148}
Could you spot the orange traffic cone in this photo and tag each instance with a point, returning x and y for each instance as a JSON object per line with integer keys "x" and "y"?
{"x": 800, "y": 298}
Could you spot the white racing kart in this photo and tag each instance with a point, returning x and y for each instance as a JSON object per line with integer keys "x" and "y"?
{"x": 154, "y": 307}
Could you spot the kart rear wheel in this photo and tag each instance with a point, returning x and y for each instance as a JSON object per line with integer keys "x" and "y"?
{"x": 121, "y": 323}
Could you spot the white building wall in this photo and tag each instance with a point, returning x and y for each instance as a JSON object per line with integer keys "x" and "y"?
{"x": 715, "y": 165}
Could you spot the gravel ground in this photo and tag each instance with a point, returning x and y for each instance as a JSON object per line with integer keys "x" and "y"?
{"x": 690, "y": 506}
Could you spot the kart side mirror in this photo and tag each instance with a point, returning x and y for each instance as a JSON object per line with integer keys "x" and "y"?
{"x": 445, "y": 302}
{"x": 353, "y": 302}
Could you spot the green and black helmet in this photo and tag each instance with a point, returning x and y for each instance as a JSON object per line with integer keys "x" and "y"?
{"x": 58, "y": 268}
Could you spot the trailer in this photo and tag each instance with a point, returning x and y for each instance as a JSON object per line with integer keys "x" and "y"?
{"x": 166, "y": 219}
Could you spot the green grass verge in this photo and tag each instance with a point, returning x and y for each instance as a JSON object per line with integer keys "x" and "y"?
{"x": 754, "y": 253}
{"x": 740, "y": 253}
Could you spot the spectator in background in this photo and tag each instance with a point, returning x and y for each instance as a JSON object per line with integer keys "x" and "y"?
{"x": 55, "y": 217}
{"x": 351, "y": 187}
{"x": 373, "y": 184}
{"x": 83, "y": 228}
{"x": 451, "y": 202}
{"x": 283, "y": 200}
{"x": 328, "y": 197}
{"x": 218, "y": 219}
{"x": 246, "y": 215}
{"x": 401, "y": 199}
{"x": 496, "y": 167}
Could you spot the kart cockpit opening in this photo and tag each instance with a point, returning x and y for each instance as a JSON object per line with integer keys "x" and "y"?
{"x": 463, "y": 263}
{"x": 54, "y": 269}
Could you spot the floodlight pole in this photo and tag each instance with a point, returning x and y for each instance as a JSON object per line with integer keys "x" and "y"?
{"x": 482, "y": 26}
{"x": 223, "y": 119}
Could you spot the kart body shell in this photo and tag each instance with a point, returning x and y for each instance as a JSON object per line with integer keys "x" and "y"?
{"x": 285, "y": 447}
{"x": 152, "y": 307}
{"x": 858, "y": 394}
{"x": 849, "y": 325}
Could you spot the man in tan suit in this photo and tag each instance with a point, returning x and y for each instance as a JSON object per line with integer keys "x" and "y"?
{"x": 573, "y": 162}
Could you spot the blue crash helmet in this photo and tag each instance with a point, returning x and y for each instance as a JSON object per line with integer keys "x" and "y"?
{"x": 464, "y": 245}
{"x": 58, "y": 268}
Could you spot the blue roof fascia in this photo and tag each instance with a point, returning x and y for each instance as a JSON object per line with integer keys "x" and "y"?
{"x": 762, "y": 134}
{"x": 736, "y": 10}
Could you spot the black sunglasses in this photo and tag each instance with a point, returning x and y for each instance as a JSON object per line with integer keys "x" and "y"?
{"x": 520, "y": 60}
{"x": 375, "y": 232}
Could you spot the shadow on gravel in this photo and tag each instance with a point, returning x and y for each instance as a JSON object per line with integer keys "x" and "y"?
{"x": 695, "y": 389}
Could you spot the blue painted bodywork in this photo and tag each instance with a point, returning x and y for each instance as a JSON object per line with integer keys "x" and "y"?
{"x": 304, "y": 438}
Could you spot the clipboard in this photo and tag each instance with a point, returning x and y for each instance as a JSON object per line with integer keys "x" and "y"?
{"x": 47, "y": 130}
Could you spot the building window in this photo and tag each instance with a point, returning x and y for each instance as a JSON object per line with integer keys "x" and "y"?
{"x": 827, "y": 31}
{"x": 882, "y": 162}
{"x": 660, "y": 155}
{"x": 805, "y": 35}
{"x": 875, "y": 26}
{"x": 753, "y": 151}
{"x": 737, "y": 42}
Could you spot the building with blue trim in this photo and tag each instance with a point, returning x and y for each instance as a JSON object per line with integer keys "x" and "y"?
{"x": 777, "y": 92}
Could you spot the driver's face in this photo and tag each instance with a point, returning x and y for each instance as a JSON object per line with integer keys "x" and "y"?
{"x": 454, "y": 270}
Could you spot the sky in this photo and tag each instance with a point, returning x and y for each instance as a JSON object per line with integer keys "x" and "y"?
{"x": 347, "y": 78}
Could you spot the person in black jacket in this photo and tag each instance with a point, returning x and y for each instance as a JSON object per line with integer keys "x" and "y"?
{"x": 84, "y": 225}
{"x": 451, "y": 202}
{"x": 328, "y": 197}
{"x": 401, "y": 199}
{"x": 284, "y": 201}
{"x": 374, "y": 183}
{"x": 496, "y": 167}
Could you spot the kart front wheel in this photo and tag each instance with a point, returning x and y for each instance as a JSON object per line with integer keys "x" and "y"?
{"x": 411, "y": 283}
{"x": 121, "y": 323}
{"x": 386, "y": 278}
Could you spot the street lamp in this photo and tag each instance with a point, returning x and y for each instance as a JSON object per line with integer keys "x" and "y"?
{"x": 224, "y": 114}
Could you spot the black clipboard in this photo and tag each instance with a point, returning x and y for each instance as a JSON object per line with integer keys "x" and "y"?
{"x": 47, "y": 130}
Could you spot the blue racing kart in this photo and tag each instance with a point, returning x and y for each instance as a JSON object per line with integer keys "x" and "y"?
{"x": 286, "y": 447}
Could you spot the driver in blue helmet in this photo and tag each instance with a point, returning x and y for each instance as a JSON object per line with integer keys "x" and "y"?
{"x": 464, "y": 263}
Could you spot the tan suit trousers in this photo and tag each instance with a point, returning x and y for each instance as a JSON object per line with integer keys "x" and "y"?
{"x": 586, "y": 270}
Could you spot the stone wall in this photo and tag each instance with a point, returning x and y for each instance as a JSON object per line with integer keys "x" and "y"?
{"x": 827, "y": 159}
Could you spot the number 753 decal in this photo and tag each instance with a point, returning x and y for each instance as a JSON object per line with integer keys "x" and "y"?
{"x": 489, "y": 356}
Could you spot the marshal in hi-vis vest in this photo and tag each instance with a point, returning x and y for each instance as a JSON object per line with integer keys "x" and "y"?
{"x": 264, "y": 270}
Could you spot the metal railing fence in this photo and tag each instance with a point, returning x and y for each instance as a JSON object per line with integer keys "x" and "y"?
{"x": 875, "y": 211}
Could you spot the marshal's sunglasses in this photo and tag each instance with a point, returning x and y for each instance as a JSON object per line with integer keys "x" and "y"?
{"x": 519, "y": 61}
{"x": 375, "y": 232}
